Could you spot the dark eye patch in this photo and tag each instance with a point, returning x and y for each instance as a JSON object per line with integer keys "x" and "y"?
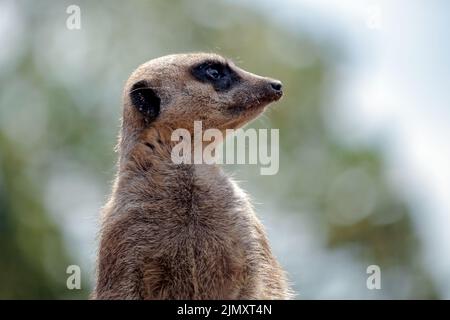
{"x": 218, "y": 74}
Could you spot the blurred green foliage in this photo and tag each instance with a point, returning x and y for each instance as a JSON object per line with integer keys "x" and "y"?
{"x": 60, "y": 102}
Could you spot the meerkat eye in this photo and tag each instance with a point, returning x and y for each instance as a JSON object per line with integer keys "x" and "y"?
{"x": 213, "y": 73}
{"x": 218, "y": 74}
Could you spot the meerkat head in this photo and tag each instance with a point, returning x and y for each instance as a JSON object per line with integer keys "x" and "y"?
{"x": 176, "y": 90}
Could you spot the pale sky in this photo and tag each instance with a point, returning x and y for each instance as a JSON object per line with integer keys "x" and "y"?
{"x": 394, "y": 93}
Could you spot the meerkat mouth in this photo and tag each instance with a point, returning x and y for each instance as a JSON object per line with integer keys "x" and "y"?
{"x": 256, "y": 103}
{"x": 243, "y": 111}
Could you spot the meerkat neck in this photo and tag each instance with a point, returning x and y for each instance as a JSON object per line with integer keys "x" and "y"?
{"x": 153, "y": 145}
{"x": 164, "y": 144}
{"x": 147, "y": 171}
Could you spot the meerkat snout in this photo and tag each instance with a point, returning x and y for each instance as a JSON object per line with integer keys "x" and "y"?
{"x": 275, "y": 89}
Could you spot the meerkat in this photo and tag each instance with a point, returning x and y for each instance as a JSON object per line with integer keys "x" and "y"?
{"x": 184, "y": 231}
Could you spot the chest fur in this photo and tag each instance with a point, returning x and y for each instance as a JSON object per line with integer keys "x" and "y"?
{"x": 192, "y": 227}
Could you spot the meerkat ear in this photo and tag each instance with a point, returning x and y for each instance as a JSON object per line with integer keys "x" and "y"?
{"x": 145, "y": 100}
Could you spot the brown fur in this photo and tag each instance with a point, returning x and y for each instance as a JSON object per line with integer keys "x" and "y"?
{"x": 183, "y": 231}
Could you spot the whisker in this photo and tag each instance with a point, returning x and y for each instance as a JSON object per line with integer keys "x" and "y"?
{"x": 148, "y": 88}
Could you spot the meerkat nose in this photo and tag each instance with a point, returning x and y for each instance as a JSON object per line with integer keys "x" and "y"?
{"x": 276, "y": 85}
